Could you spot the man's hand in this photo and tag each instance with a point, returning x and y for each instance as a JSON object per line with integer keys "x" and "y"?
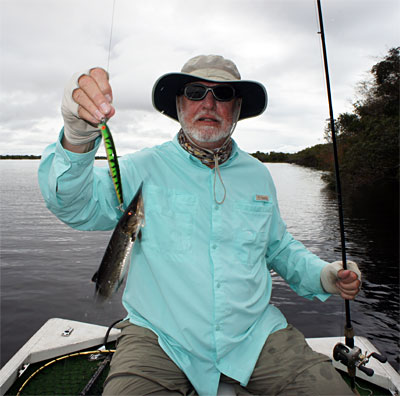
{"x": 336, "y": 280}
{"x": 348, "y": 284}
{"x": 86, "y": 102}
{"x": 94, "y": 96}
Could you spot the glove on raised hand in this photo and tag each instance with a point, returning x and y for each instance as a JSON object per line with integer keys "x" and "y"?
{"x": 329, "y": 275}
{"x": 76, "y": 130}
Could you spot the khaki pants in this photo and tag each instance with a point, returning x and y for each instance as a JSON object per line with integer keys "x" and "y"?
{"x": 286, "y": 366}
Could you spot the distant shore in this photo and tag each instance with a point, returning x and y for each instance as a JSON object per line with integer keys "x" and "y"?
{"x": 16, "y": 156}
{"x": 32, "y": 157}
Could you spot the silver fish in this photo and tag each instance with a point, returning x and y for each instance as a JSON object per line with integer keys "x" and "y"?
{"x": 111, "y": 272}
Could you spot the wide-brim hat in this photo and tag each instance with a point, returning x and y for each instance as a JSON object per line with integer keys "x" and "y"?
{"x": 210, "y": 68}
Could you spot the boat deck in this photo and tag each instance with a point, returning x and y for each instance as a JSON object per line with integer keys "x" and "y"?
{"x": 60, "y": 337}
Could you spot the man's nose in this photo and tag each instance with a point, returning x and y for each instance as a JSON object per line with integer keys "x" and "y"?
{"x": 209, "y": 100}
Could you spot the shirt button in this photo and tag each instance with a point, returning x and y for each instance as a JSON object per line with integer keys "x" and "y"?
{"x": 216, "y": 207}
{"x": 214, "y": 246}
{"x": 217, "y": 327}
{"x": 218, "y": 285}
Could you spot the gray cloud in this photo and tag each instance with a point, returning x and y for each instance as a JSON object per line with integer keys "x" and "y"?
{"x": 43, "y": 42}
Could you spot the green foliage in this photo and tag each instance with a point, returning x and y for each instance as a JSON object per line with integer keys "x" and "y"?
{"x": 319, "y": 157}
{"x": 271, "y": 157}
{"x": 367, "y": 138}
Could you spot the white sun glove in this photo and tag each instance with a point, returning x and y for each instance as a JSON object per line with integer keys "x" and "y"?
{"x": 329, "y": 275}
{"x": 76, "y": 130}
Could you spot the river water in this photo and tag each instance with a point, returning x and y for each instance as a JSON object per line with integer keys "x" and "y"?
{"x": 46, "y": 266}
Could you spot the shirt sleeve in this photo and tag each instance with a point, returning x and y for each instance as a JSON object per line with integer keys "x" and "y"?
{"x": 288, "y": 257}
{"x": 77, "y": 192}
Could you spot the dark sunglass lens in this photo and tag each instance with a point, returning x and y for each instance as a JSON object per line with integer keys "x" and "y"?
{"x": 224, "y": 92}
{"x": 195, "y": 92}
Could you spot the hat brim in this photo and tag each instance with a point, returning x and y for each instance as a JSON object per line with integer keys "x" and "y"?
{"x": 253, "y": 94}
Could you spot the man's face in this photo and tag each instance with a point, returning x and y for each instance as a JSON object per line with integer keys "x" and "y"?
{"x": 208, "y": 122}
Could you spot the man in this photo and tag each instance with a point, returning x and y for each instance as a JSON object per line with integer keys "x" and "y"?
{"x": 198, "y": 289}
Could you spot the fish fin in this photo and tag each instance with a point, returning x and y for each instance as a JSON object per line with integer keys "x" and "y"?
{"x": 95, "y": 276}
{"x": 98, "y": 297}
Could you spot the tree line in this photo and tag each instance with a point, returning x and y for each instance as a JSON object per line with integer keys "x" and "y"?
{"x": 367, "y": 137}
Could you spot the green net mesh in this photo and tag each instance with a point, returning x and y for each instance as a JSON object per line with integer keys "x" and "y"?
{"x": 66, "y": 375}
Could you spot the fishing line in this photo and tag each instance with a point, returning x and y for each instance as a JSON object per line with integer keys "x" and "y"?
{"x": 111, "y": 32}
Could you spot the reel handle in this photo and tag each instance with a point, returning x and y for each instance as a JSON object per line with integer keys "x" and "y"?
{"x": 377, "y": 356}
{"x": 366, "y": 370}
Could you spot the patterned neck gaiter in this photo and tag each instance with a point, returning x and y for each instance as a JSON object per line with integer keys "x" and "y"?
{"x": 207, "y": 157}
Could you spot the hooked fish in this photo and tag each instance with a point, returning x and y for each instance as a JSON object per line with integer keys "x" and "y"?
{"x": 112, "y": 270}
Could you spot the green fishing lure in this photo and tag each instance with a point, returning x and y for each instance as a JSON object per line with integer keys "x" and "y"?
{"x": 112, "y": 161}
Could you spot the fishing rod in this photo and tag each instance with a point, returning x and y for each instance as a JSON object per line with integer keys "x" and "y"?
{"x": 349, "y": 332}
{"x": 348, "y": 354}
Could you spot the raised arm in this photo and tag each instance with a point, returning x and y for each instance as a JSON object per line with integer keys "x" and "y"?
{"x": 86, "y": 102}
{"x": 78, "y": 193}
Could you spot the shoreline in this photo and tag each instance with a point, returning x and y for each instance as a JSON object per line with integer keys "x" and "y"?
{"x": 32, "y": 157}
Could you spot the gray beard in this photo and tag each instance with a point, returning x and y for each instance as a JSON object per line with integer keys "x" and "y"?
{"x": 204, "y": 136}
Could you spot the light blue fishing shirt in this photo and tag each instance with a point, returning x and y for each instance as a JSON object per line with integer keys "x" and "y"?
{"x": 200, "y": 276}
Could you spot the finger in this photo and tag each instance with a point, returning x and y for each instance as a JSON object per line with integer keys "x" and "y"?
{"x": 352, "y": 293}
{"x": 348, "y": 296}
{"x": 347, "y": 276}
{"x": 92, "y": 90}
{"x": 351, "y": 289}
{"x": 85, "y": 115}
{"x": 87, "y": 109}
{"x": 349, "y": 293}
{"x": 102, "y": 79}
{"x": 349, "y": 286}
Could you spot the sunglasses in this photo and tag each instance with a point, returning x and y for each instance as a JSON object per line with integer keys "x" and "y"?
{"x": 221, "y": 92}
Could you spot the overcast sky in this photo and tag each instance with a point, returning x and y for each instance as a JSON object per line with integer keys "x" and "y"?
{"x": 43, "y": 42}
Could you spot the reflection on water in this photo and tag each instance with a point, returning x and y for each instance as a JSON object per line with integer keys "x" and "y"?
{"x": 46, "y": 267}
{"x": 371, "y": 227}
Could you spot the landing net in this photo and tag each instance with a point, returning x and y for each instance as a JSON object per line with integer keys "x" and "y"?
{"x": 78, "y": 373}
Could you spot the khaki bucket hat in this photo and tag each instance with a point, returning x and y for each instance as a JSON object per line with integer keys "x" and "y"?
{"x": 211, "y": 68}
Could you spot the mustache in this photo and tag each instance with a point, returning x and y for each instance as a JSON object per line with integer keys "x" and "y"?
{"x": 208, "y": 114}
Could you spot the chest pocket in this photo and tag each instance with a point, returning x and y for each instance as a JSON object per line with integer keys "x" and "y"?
{"x": 169, "y": 219}
{"x": 251, "y": 240}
